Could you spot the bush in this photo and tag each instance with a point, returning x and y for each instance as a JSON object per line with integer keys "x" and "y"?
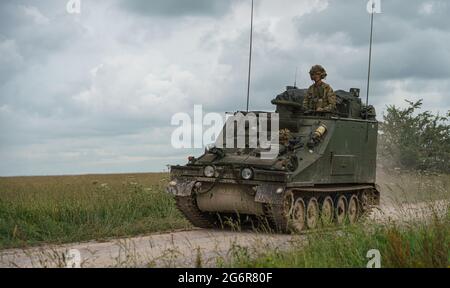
{"x": 415, "y": 141}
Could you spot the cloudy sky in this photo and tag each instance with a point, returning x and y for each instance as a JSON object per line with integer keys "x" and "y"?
{"x": 94, "y": 92}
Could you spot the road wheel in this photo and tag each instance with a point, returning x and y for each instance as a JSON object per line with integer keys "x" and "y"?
{"x": 327, "y": 211}
{"x": 288, "y": 203}
{"x": 353, "y": 209}
{"x": 298, "y": 215}
{"x": 312, "y": 213}
{"x": 367, "y": 201}
{"x": 340, "y": 210}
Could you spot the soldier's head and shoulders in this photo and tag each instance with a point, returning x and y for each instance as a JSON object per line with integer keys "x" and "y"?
{"x": 318, "y": 74}
{"x": 320, "y": 96}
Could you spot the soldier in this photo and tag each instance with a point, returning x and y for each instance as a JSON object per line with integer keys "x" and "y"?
{"x": 285, "y": 135}
{"x": 320, "y": 96}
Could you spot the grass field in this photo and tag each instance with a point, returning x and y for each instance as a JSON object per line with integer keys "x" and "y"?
{"x": 63, "y": 209}
{"x": 421, "y": 241}
{"x": 60, "y": 209}
{"x": 418, "y": 245}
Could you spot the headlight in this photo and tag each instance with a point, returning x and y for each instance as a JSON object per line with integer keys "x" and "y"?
{"x": 209, "y": 171}
{"x": 246, "y": 173}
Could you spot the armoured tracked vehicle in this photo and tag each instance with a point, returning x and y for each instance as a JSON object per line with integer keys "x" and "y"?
{"x": 323, "y": 175}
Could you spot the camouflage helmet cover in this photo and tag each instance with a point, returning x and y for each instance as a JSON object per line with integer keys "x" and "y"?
{"x": 318, "y": 69}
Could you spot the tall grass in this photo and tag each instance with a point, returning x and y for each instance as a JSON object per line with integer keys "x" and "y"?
{"x": 37, "y": 210}
{"x": 413, "y": 230}
{"x": 420, "y": 243}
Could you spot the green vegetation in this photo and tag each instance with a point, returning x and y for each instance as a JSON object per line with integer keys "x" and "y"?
{"x": 60, "y": 209}
{"x": 418, "y": 237}
{"x": 418, "y": 141}
{"x": 417, "y": 245}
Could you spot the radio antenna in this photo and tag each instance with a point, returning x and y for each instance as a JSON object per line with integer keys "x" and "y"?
{"x": 370, "y": 58}
{"x": 369, "y": 70}
{"x": 250, "y": 58}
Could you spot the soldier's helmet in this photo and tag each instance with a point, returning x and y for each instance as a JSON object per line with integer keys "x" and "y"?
{"x": 318, "y": 69}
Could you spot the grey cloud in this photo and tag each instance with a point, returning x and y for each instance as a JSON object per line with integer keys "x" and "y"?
{"x": 36, "y": 40}
{"x": 56, "y": 117}
{"x": 11, "y": 61}
{"x": 420, "y": 14}
{"x": 398, "y": 20}
{"x": 175, "y": 8}
{"x": 398, "y": 54}
{"x": 426, "y": 57}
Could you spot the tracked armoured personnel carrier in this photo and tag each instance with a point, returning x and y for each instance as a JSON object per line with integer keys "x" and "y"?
{"x": 323, "y": 175}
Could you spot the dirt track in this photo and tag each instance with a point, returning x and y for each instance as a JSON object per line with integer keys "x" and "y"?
{"x": 177, "y": 249}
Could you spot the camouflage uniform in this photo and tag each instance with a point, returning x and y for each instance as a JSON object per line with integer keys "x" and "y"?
{"x": 285, "y": 135}
{"x": 321, "y": 96}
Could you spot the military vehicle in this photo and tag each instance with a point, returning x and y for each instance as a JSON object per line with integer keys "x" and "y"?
{"x": 323, "y": 175}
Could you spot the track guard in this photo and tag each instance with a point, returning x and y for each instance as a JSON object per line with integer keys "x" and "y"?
{"x": 266, "y": 193}
{"x": 182, "y": 188}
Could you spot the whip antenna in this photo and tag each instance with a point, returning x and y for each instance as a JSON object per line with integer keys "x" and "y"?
{"x": 368, "y": 72}
{"x": 370, "y": 58}
{"x": 250, "y": 58}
